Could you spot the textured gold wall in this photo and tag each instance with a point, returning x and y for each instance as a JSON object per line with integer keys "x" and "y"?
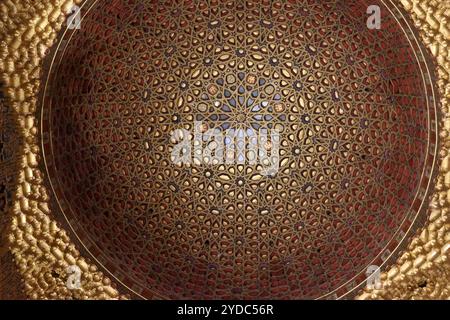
{"x": 35, "y": 251}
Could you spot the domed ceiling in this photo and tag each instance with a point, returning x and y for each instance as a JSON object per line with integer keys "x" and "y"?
{"x": 355, "y": 127}
{"x": 349, "y": 118}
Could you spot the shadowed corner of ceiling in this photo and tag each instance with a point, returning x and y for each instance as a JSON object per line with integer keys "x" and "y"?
{"x": 11, "y": 283}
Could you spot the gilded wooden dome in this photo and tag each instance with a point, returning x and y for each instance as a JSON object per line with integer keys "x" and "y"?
{"x": 358, "y": 145}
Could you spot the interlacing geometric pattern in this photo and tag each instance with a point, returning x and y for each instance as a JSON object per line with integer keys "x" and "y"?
{"x": 349, "y": 103}
{"x": 175, "y": 193}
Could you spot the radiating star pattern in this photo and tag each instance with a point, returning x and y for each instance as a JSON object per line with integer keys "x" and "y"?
{"x": 350, "y": 106}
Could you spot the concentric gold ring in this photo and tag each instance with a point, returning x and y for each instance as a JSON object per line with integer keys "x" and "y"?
{"x": 36, "y": 238}
{"x": 342, "y": 110}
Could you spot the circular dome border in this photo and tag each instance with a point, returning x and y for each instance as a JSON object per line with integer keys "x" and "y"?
{"x": 416, "y": 217}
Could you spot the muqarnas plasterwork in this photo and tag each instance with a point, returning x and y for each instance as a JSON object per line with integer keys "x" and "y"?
{"x": 88, "y": 185}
